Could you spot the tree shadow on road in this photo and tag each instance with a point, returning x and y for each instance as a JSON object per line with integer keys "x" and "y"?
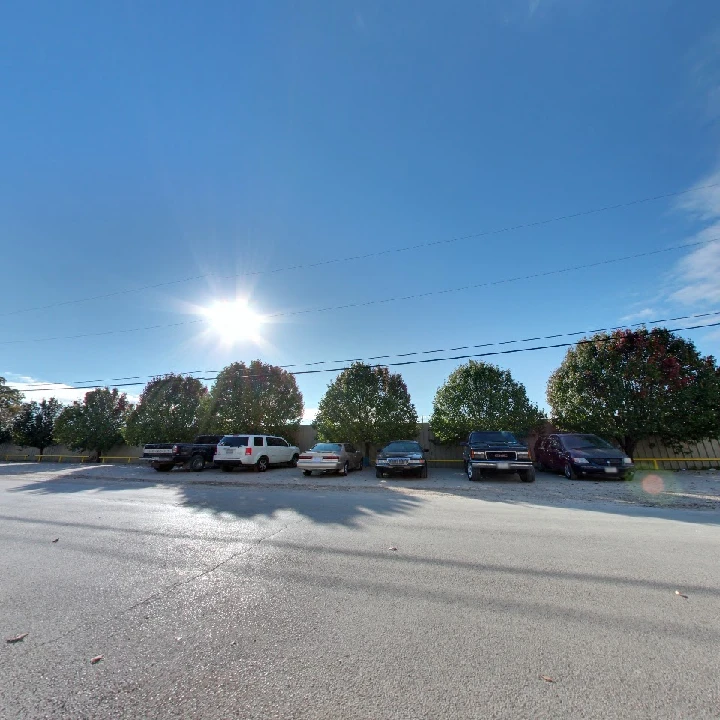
{"x": 198, "y": 492}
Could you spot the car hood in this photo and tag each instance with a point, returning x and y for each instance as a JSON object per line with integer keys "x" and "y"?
{"x": 598, "y": 453}
{"x": 399, "y": 454}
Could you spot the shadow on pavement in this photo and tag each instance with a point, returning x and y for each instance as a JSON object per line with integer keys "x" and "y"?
{"x": 330, "y": 505}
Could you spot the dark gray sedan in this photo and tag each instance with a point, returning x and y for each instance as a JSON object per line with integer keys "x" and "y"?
{"x": 402, "y": 457}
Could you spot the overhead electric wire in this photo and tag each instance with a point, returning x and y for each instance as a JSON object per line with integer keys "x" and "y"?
{"x": 406, "y": 354}
{"x": 385, "y": 300}
{"x": 415, "y": 362}
{"x": 378, "y": 253}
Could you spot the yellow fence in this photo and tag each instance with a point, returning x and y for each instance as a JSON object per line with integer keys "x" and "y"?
{"x": 67, "y": 458}
{"x": 656, "y": 461}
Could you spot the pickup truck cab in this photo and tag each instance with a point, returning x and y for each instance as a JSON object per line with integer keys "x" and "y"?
{"x": 163, "y": 457}
{"x": 496, "y": 451}
{"x": 256, "y": 451}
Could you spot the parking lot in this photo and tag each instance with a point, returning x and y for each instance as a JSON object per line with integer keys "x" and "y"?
{"x": 685, "y": 489}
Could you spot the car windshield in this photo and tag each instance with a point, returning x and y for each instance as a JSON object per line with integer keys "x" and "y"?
{"x": 403, "y": 446}
{"x": 326, "y": 447}
{"x": 585, "y": 442}
{"x": 234, "y": 441}
{"x": 493, "y": 436}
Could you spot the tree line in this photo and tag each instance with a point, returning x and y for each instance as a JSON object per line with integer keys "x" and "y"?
{"x": 625, "y": 386}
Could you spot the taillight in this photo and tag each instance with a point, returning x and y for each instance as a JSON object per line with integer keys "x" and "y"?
{"x": 248, "y": 451}
{"x": 331, "y": 457}
{"x": 176, "y": 449}
{"x": 305, "y": 457}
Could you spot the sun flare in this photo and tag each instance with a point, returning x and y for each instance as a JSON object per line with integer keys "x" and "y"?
{"x": 234, "y": 321}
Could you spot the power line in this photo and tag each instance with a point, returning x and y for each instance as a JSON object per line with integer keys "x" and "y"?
{"x": 406, "y": 362}
{"x": 409, "y": 354}
{"x": 378, "y": 253}
{"x": 386, "y": 300}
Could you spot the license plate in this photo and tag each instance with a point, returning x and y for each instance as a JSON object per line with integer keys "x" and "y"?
{"x": 398, "y": 461}
{"x": 317, "y": 459}
{"x": 228, "y": 451}
{"x": 503, "y": 466}
{"x": 160, "y": 458}
{"x": 611, "y": 470}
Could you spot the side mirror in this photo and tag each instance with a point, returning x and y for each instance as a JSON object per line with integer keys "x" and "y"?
{"x": 463, "y": 444}
{"x": 426, "y": 450}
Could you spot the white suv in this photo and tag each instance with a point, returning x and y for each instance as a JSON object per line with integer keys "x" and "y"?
{"x": 259, "y": 451}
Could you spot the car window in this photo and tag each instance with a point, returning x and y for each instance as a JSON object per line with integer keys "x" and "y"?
{"x": 492, "y": 436}
{"x": 585, "y": 442}
{"x": 234, "y": 441}
{"x": 403, "y": 446}
{"x": 326, "y": 447}
{"x": 349, "y": 448}
{"x": 258, "y": 441}
{"x": 281, "y": 442}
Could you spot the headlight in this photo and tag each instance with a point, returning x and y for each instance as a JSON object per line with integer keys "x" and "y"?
{"x": 523, "y": 456}
{"x": 580, "y": 461}
{"x": 477, "y": 454}
{"x": 627, "y": 461}
{"x": 415, "y": 456}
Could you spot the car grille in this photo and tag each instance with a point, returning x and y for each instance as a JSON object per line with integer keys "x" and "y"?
{"x": 502, "y": 455}
{"x": 606, "y": 462}
{"x": 397, "y": 461}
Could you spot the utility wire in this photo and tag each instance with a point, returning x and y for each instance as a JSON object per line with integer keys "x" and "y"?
{"x": 408, "y": 354}
{"x": 402, "y": 363}
{"x": 385, "y": 300}
{"x": 378, "y": 253}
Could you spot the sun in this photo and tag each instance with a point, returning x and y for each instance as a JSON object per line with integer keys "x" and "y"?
{"x": 234, "y": 321}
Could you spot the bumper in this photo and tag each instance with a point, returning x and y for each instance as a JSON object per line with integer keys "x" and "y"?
{"x": 612, "y": 471}
{"x": 397, "y": 468}
{"x": 234, "y": 462}
{"x": 160, "y": 459}
{"x": 510, "y": 466}
{"x": 333, "y": 465}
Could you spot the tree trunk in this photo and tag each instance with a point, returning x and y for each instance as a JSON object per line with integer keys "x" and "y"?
{"x": 42, "y": 450}
{"x": 367, "y": 451}
{"x": 629, "y": 443}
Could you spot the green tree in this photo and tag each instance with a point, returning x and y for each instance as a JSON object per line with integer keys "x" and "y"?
{"x": 480, "y": 396}
{"x": 258, "y": 398}
{"x": 368, "y": 406}
{"x": 34, "y": 425}
{"x": 633, "y": 384}
{"x": 10, "y": 402}
{"x": 95, "y": 424}
{"x": 167, "y": 411}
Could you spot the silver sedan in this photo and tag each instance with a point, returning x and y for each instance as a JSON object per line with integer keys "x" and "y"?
{"x": 331, "y": 457}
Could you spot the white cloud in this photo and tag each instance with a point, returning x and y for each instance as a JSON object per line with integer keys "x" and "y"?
{"x": 697, "y": 275}
{"x": 38, "y": 390}
{"x": 309, "y": 415}
{"x": 639, "y": 315}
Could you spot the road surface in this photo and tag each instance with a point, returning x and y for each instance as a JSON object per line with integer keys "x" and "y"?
{"x": 251, "y": 602}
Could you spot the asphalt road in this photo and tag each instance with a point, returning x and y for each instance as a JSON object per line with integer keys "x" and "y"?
{"x": 247, "y": 602}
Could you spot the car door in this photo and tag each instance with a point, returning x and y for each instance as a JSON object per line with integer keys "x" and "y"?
{"x": 284, "y": 451}
{"x": 354, "y": 457}
{"x": 554, "y": 452}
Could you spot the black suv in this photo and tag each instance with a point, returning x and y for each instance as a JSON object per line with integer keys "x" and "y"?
{"x": 496, "y": 451}
{"x": 579, "y": 455}
{"x": 400, "y": 457}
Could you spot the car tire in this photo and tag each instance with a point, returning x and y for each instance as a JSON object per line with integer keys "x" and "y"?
{"x": 294, "y": 461}
{"x": 527, "y": 476}
{"x": 307, "y": 473}
{"x": 471, "y": 474}
{"x": 197, "y": 463}
{"x": 262, "y": 464}
{"x": 163, "y": 468}
{"x": 226, "y": 468}
{"x": 465, "y": 466}
{"x": 344, "y": 470}
{"x": 570, "y": 473}
{"x": 424, "y": 472}
{"x": 378, "y": 473}
{"x": 540, "y": 466}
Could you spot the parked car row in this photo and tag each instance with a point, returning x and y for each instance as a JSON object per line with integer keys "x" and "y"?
{"x": 575, "y": 455}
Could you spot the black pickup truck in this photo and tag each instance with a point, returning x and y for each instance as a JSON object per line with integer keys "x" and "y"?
{"x": 496, "y": 451}
{"x": 194, "y": 456}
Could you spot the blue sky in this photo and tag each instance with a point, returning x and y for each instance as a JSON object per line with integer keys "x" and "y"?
{"x": 147, "y": 143}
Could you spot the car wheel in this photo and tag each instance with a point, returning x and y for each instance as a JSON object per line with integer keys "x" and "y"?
{"x": 570, "y": 474}
{"x": 378, "y": 473}
{"x": 465, "y": 466}
{"x": 471, "y": 474}
{"x": 424, "y": 472}
{"x": 197, "y": 463}
{"x": 163, "y": 468}
{"x": 226, "y": 468}
{"x": 540, "y": 466}
{"x": 294, "y": 461}
{"x": 344, "y": 469}
{"x": 307, "y": 473}
{"x": 528, "y": 475}
{"x": 262, "y": 464}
